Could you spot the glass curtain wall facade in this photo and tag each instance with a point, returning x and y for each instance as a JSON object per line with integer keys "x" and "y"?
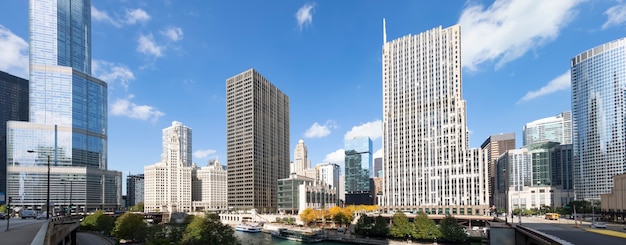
{"x": 257, "y": 141}
{"x": 358, "y": 170}
{"x": 13, "y": 107}
{"x": 68, "y": 112}
{"x": 599, "y": 118}
{"x": 427, "y": 165}
{"x": 551, "y": 129}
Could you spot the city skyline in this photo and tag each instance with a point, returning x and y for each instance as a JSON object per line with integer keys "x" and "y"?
{"x": 324, "y": 56}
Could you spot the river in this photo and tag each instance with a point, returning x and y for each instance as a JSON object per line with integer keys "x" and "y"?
{"x": 261, "y": 238}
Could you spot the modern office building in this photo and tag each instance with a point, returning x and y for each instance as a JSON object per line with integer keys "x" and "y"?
{"x": 168, "y": 183}
{"x": 329, "y": 173}
{"x": 493, "y": 147}
{"x": 550, "y": 129}
{"x": 257, "y": 141}
{"x": 209, "y": 188}
{"x": 67, "y": 127}
{"x": 297, "y": 193}
{"x": 13, "y": 107}
{"x": 300, "y": 158}
{"x": 599, "y": 118}
{"x": 134, "y": 189}
{"x": 378, "y": 166}
{"x": 358, "y": 170}
{"x": 561, "y": 171}
{"x": 427, "y": 165}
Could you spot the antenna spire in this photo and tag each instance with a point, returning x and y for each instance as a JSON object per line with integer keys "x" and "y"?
{"x": 384, "y": 31}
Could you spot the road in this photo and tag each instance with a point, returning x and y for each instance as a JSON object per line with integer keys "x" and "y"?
{"x": 565, "y": 230}
{"x": 20, "y": 231}
{"x": 88, "y": 238}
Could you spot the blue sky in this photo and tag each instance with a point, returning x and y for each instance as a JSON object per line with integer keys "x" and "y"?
{"x": 167, "y": 60}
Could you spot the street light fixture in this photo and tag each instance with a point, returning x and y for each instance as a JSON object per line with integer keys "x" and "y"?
{"x": 48, "y": 187}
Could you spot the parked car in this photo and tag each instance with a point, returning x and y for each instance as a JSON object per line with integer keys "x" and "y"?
{"x": 3, "y": 216}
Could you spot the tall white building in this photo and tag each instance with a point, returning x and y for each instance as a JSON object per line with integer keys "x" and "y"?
{"x": 209, "y": 187}
{"x": 555, "y": 129}
{"x": 427, "y": 165}
{"x": 300, "y": 158}
{"x": 328, "y": 173}
{"x": 168, "y": 183}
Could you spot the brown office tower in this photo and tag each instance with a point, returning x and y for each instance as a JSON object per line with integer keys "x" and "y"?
{"x": 257, "y": 138}
{"x": 494, "y": 146}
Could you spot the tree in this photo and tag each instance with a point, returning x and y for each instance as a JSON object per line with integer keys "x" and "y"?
{"x": 451, "y": 230}
{"x": 3, "y": 208}
{"x": 208, "y": 230}
{"x": 364, "y": 225}
{"x": 425, "y": 228}
{"x": 98, "y": 221}
{"x": 400, "y": 226}
{"x": 130, "y": 226}
{"x": 307, "y": 216}
{"x": 340, "y": 218}
{"x": 137, "y": 208}
{"x": 380, "y": 228}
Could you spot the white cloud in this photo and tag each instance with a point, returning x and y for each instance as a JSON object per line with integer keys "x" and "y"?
{"x": 173, "y": 33}
{"x": 136, "y": 15}
{"x": 124, "y": 107}
{"x": 203, "y": 153}
{"x": 379, "y": 153}
{"x": 370, "y": 129}
{"x": 337, "y": 156}
{"x": 562, "y": 82}
{"x": 318, "y": 131}
{"x": 112, "y": 72}
{"x": 14, "y": 53}
{"x": 147, "y": 46}
{"x": 305, "y": 15}
{"x": 132, "y": 17}
{"x": 616, "y": 15}
{"x": 508, "y": 29}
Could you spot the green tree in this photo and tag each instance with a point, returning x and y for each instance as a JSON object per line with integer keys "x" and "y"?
{"x": 400, "y": 226}
{"x": 3, "y": 208}
{"x": 425, "y": 228}
{"x": 451, "y": 230}
{"x": 381, "y": 227}
{"x": 340, "y": 218}
{"x": 170, "y": 234}
{"x": 98, "y": 221}
{"x": 137, "y": 208}
{"x": 130, "y": 226}
{"x": 364, "y": 225}
{"x": 208, "y": 230}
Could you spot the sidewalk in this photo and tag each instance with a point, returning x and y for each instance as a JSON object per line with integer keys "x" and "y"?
{"x": 21, "y": 235}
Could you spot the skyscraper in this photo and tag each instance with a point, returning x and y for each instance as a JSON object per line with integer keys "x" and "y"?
{"x": 209, "y": 188}
{"x": 134, "y": 189}
{"x": 67, "y": 126}
{"x": 300, "y": 159}
{"x": 358, "y": 167}
{"x": 378, "y": 166}
{"x": 599, "y": 117}
{"x": 13, "y": 107}
{"x": 257, "y": 141}
{"x": 493, "y": 147}
{"x": 426, "y": 164}
{"x": 168, "y": 183}
{"x": 550, "y": 129}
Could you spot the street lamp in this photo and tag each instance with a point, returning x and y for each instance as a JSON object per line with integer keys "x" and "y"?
{"x": 48, "y": 187}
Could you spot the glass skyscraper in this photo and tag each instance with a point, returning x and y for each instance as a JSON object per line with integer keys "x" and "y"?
{"x": 599, "y": 118}
{"x": 358, "y": 170}
{"x": 550, "y": 129}
{"x": 67, "y": 127}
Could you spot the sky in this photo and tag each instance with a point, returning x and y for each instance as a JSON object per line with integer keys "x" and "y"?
{"x": 168, "y": 60}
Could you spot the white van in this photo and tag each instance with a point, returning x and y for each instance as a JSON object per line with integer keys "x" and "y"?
{"x": 28, "y": 213}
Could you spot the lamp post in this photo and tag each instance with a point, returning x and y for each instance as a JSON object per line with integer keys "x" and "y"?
{"x": 48, "y": 187}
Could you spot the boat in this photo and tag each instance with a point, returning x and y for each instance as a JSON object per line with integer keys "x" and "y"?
{"x": 295, "y": 235}
{"x": 248, "y": 228}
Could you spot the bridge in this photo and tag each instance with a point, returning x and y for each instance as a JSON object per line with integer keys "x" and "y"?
{"x": 54, "y": 231}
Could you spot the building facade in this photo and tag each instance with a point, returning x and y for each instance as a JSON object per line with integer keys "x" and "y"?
{"x": 358, "y": 169}
{"x": 257, "y": 141}
{"x": 67, "y": 125}
{"x": 427, "y": 165}
{"x": 13, "y": 107}
{"x": 378, "y": 166}
{"x": 209, "y": 188}
{"x": 493, "y": 147}
{"x": 168, "y": 183}
{"x": 297, "y": 193}
{"x": 301, "y": 158}
{"x": 613, "y": 204}
{"x": 134, "y": 189}
{"x": 329, "y": 173}
{"x": 599, "y": 118}
{"x": 550, "y": 129}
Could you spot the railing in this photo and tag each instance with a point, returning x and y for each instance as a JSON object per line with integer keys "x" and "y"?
{"x": 56, "y": 230}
